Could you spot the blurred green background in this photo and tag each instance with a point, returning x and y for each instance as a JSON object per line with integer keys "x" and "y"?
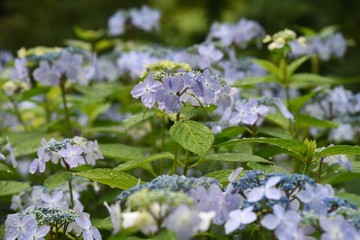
{"x": 26, "y": 23}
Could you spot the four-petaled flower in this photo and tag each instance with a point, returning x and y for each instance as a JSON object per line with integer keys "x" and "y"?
{"x": 72, "y": 155}
{"x": 147, "y": 91}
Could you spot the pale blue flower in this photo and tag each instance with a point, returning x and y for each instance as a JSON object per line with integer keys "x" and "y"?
{"x": 47, "y": 75}
{"x": 116, "y": 24}
{"x": 211, "y": 88}
{"x": 72, "y": 155}
{"x": 146, "y": 18}
{"x": 183, "y": 221}
{"x": 268, "y": 190}
{"x": 20, "y": 228}
{"x": 134, "y": 63}
{"x": 280, "y": 217}
{"x": 169, "y": 95}
{"x": 41, "y": 233}
{"x": 208, "y": 55}
{"x": 115, "y": 216}
{"x": 147, "y": 90}
{"x": 338, "y": 229}
{"x": 69, "y": 64}
{"x": 20, "y": 71}
{"x": 89, "y": 232}
{"x": 239, "y": 218}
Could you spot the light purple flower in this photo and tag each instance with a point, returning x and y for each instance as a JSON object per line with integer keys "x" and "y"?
{"x": 147, "y": 90}
{"x": 54, "y": 200}
{"x": 92, "y": 152}
{"x": 183, "y": 221}
{"x": 115, "y": 216}
{"x": 268, "y": 191}
{"x": 208, "y": 55}
{"x": 47, "y": 75}
{"x": 338, "y": 228}
{"x": 41, "y": 233}
{"x": 89, "y": 232}
{"x": 20, "y": 228}
{"x": 69, "y": 64}
{"x": 116, "y": 24}
{"x": 169, "y": 94}
{"x": 20, "y": 71}
{"x": 72, "y": 155}
{"x": 211, "y": 88}
{"x": 279, "y": 217}
{"x": 146, "y": 18}
{"x": 238, "y": 218}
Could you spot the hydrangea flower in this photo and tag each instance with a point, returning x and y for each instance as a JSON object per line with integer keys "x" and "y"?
{"x": 17, "y": 227}
{"x": 115, "y": 216}
{"x": 116, "y": 23}
{"x": 47, "y": 75}
{"x": 147, "y": 90}
{"x": 69, "y": 64}
{"x": 338, "y": 228}
{"x": 208, "y": 55}
{"x": 239, "y": 218}
{"x": 72, "y": 155}
{"x": 169, "y": 94}
{"x": 89, "y": 232}
{"x": 280, "y": 216}
{"x": 20, "y": 71}
{"x": 268, "y": 191}
{"x": 146, "y": 18}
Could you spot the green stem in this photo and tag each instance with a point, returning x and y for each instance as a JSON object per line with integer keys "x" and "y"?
{"x": 315, "y": 65}
{"x": 18, "y": 115}
{"x": 186, "y": 162}
{"x": 70, "y": 186}
{"x": 319, "y": 171}
{"x": 306, "y": 168}
{"x": 66, "y": 110}
{"x": 176, "y": 148}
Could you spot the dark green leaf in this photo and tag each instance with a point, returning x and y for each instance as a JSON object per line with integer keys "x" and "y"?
{"x": 275, "y": 132}
{"x": 121, "y": 152}
{"x": 235, "y": 157}
{"x": 57, "y": 180}
{"x": 137, "y": 118}
{"x": 111, "y": 177}
{"x": 12, "y": 187}
{"x": 271, "y": 67}
{"x": 194, "y": 136}
{"x": 354, "y": 198}
{"x": 296, "y": 64}
{"x": 338, "y": 149}
{"x": 141, "y": 161}
{"x": 309, "y": 121}
{"x": 294, "y": 146}
{"x": 102, "y": 223}
{"x": 266, "y": 168}
{"x": 220, "y": 175}
{"x": 250, "y": 81}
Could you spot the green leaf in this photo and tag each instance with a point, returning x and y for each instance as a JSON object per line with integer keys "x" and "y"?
{"x": 235, "y": 157}
{"x": 338, "y": 149}
{"x": 304, "y": 80}
{"x": 250, "y": 81}
{"x": 12, "y": 187}
{"x": 111, "y": 177}
{"x": 220, "y": 175}
{"x": 102, "y": 223}
{"x": 57, "y": 180}
{"x": 5, "y": 168}
{"x": 297, "y": 103}
{"x": 275, "y": 132}
{"x": 309, "y": 121}
{"x": 341, "y": 177}
{"x": 271, "y": 67}
{"x": 165, "y": 234}
{"x": 96, "y": 93}
{"x": 26, "y": 143}
{"x": 294, "y": 146}
{"x": 354, "y": 198}
{"x": 194, "y": 136}
{"x": 140, "y": 162}
{"x": 265, "y": 168}
{"x": 93, "y": 110}
{"x": 120, "y": 152}
{"x": 137, "y": 118}
{"x": 88, "y": 35}
{"x": 296, "y": 64}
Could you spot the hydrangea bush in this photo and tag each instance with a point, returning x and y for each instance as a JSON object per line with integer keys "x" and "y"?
{"x": 117, "y": 138}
